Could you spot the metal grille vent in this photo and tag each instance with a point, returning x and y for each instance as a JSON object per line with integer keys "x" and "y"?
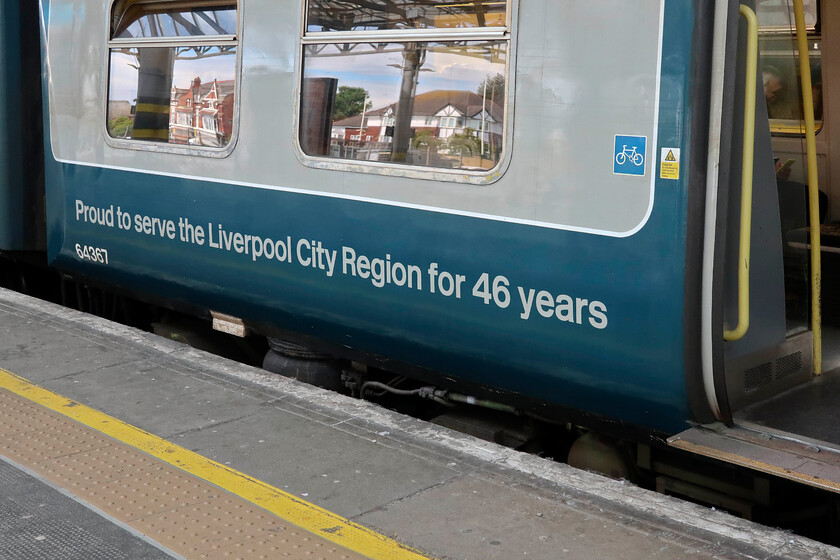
{"x": 788, "y": 365}
{"x": 757, "y": 377}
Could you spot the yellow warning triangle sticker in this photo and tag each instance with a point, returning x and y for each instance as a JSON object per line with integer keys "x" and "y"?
{"x": 670, "y": 156}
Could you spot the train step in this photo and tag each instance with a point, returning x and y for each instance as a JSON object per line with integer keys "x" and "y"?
{"x": 766, "y": 450}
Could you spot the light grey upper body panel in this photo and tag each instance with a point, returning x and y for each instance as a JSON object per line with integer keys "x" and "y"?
{"x": 572, "y": 94}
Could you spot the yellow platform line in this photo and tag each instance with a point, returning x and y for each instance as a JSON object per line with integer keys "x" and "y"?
{"x": 317, "y": 520}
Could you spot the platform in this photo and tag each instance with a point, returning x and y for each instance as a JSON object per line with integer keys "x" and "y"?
{"x": 402, "y": 488}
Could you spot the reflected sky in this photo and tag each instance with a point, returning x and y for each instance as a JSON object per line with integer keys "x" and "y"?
{"x": 380, "y": 73}
{"x": 215, "y": 66}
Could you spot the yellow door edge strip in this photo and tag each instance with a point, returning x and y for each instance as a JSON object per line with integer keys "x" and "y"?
{"x": 305, "y": 515}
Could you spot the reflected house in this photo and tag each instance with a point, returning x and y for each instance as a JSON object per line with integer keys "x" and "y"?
{"x": 439, "y": 114}
{"x": 349, "y": 129}
{"x": 203, "y": 113}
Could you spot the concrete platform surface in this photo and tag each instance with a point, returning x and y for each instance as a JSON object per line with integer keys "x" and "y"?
{"x": 444, "y": 493}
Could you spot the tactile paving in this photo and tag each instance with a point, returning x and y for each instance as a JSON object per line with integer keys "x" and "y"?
{"x": 181, "y": 512}
{"x": 19, "y": 419}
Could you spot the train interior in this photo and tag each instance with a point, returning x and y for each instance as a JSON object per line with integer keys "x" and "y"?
{"x": 785, "y": 404}
{"x": 793, "y": 361}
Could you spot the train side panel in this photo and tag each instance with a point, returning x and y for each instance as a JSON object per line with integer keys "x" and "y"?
{"x": 558, "y": 277}
{"x": 21, "y": 153}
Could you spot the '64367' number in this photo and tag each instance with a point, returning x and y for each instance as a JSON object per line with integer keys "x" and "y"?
{"x": 90, "y": 253}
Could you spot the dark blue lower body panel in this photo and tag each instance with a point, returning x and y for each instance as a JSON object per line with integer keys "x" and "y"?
{"x": 585, "y": 321}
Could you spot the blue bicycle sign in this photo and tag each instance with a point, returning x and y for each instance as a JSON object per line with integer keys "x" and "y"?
{"x": 629, "y": 154}
{"x": 629, "y": 158}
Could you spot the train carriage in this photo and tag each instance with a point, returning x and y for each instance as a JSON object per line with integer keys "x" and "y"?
{"x": 450, "y": 257}
{"x": 537, "y": 203}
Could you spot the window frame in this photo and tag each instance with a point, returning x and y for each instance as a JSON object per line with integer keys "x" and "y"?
{"x": 464, "y": 176}
{"x": 209, "y": 40}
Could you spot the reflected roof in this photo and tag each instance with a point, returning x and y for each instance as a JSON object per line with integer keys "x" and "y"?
{"x": 467, "y": 103}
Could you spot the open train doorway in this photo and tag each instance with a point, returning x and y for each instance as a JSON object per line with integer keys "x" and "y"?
{"x": 782, "y": 347}
{"x": 810, "y": 407}
{"x": 779, "y": 392}
{"x": 797, "y": 375}
{"x": 780, "y": 73}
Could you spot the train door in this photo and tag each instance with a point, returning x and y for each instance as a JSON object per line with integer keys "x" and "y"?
{"x": 775, "y": 386}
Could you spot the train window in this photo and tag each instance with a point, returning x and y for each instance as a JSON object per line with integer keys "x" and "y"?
{"x": 405, "y": 82}
{"x": 363, "y": 15}
{"x": 783, "y": 86}
{"x": 172, "y": 73}
{"x": 777, "y": 15}
{"x": 160, "y": 19}
{"x": 780, "y": 65}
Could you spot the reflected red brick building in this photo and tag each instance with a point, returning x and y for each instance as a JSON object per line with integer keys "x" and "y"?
{"x": 203, "y": 113}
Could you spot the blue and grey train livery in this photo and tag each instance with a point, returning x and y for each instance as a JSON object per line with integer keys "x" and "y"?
{"x": 531, "y": 202}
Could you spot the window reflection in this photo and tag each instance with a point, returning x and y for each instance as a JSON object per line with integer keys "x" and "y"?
{"x": 176, "y": 95}
{"x": 364, "y": 15}
{"x": 152, "y": 21}
{"x": 434, "y": 104}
